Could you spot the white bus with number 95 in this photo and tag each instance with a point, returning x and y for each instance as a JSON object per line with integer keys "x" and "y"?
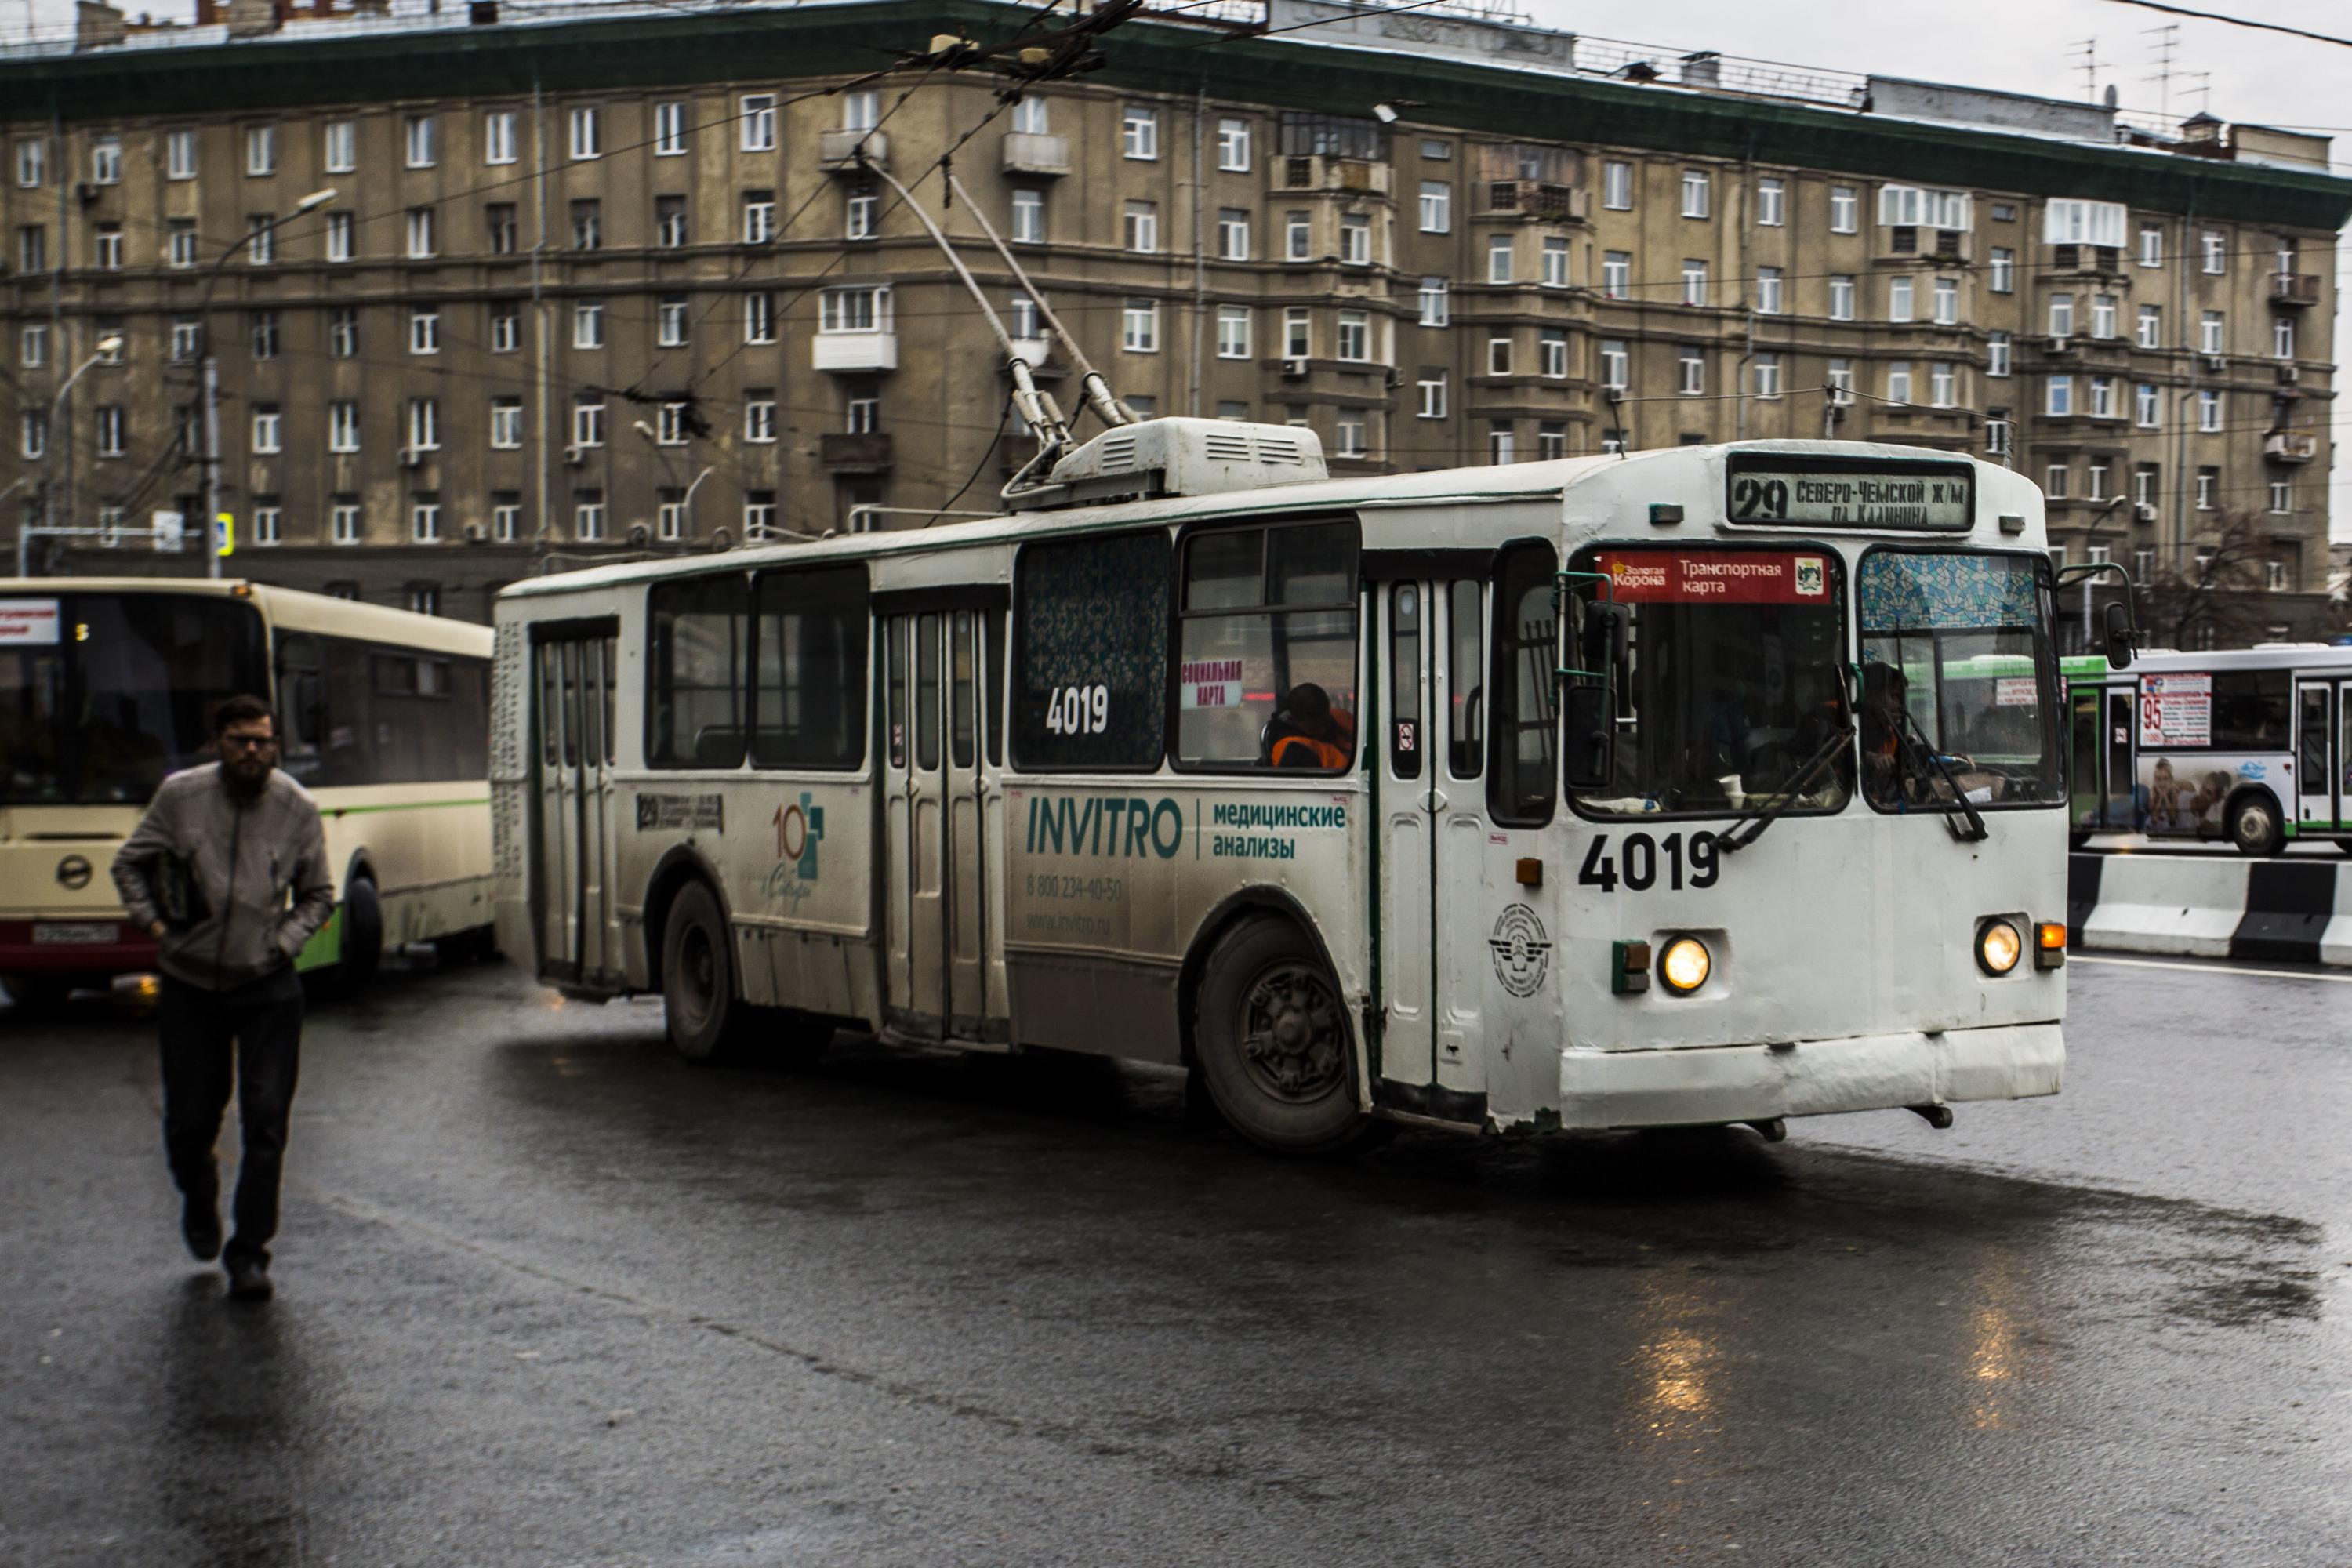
{"x": 1609, "y": 791}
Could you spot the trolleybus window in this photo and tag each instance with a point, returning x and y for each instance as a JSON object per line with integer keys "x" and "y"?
{"x": 809, "y": 710}
{"x": 1524, "y": 786}
{"x": 1465, "y": 697}
{"x": 694, "y": 673}
{"x": 1731, "y": 682}
{"x": 103, "y": 694}
{"x": 1090, "y": 675}
{"x": 1268, "y": 653}
{"x": 1955, "y": 680}
{"x": 1405, "y": 679}
{"x": 2249, "y": 710}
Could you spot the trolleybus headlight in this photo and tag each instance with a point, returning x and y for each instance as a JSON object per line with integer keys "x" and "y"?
{"x": 1998, "y": 947}
{"x": 1684, "y": 965}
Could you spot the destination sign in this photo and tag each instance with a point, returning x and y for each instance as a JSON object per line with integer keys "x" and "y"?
{"x": 1775, "y": 493}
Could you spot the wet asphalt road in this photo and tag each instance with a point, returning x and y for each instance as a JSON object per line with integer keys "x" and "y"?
{"x": 549, "y": 1298}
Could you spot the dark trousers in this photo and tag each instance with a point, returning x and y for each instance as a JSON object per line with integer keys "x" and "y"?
{"x": 263, "y": 1020}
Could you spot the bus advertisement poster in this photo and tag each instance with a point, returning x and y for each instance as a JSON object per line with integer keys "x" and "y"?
{"x": 1717, "y": 577}
{"x": 2176, "y": 710}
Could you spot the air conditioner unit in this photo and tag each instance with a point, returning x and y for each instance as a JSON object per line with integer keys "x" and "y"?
{"x": 2143, "y": 511}
{"x": 476, "y": 534}
{"x": 85, "y": 193}
{"x": 2289, "y": 375}
{"x": 2061, "y": 345}
{"x": 640, "y": 535}
{"x": 410, "y": 458}
{"x": 2217, "y": 364}
{"x": 574, "y": 456}
{"x": 1294, "y": 369}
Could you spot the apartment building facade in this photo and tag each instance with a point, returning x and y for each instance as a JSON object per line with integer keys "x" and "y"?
{"x": 484, "y": 298}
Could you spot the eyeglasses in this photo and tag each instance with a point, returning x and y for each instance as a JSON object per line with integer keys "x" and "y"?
{"x": 250, "y": 742}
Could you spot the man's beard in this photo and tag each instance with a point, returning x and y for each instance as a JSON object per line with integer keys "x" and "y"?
{"x": 249, "y": 779}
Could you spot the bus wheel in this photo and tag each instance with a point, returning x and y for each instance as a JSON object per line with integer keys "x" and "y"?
{"x": 1273, "y": 1042}
{"x": 362, "y": 946}
{"x": 699, "y": 978}
{"x": 2254, "y": 824}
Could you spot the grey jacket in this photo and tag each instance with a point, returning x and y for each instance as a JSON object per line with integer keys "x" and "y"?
{"x": 246, "y": 856}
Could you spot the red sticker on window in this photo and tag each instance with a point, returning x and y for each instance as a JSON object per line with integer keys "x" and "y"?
{"x": 1718, "y": 577}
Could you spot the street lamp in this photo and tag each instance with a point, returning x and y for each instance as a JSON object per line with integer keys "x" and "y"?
{"x": 107, "y": 348}
{"x": 2098, "y": 520}
{"x": 309, "y": 203}
{"x": 685, "y": 505}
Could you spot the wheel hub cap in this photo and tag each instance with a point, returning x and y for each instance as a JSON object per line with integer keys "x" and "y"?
{"x": 1293, "y": 1038}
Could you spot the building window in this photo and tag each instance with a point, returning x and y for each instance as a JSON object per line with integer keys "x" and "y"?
{"x": 588, "y": 515}
{"x": 1233, "y": 331}
{"x": 1616, "y": 365}
{"x": 1355, "y": 336}
{"x": 505, "y": 328}
{"x": 343, "y": 427}
{"x": 33, "y": 441}
{"x": 859, "y": 216}
{"x": 261, "y": 333}
{"x": 2210, "y": 333}
{"x": 424, "y": 520}
{"x": 1297, "y": 332}
{"x": 106, "y": 161}
{"x": 1899, "y": 292}
{"x": 1840, "y": 296}
{"x": 1024, "y": 320}
{"x": 861, "y": 110}
{"x": 1909, "y": 206}
{"x": 32, "y": 163}
{"x": 860, "y": 309}
{"x": 588, "y": 323}
{"x": 506, "y": 423}
{"x": 1768, "y": 290}
{"x": 1499, "y": 443}
{"x": 1694, "y": 192}
{"x": 1498, "y": 356}
{"x": 671, "y": 426}
{"x": 2059, "y": 396}
{"x": 179, "y": 247}
{"x": 2282, "y": 338}
{"x": 1140, "y": 326}
{"x": 1943, "y": 385}
{"x": 1355, "y": 239}
{"x": 1436, "y": 303}
{"x": 1694, "y": 281}
{"x": 1351, "y": 427}
{"x": 2055, "y": 480}
{"x": 418, "y": 141}
{"x": 1233, "y": 146}
{"x": 759, "y": 513}
{"x": 2062, "y": 315}
{"x": 1140, "y": 229}
{"x": 669, "y": 129}
{"x": 1768, "y": 374}
{"x": 1690, "y": 371}
{"x": 669, "y": 513}
{"x": 759, "y": 216}
{"x": 1551, "y": 353}
{"x": 757, "y": 111}
{"x": 1617, "y": 185}
{"x": 1898, "y": 380}
{"x": 499, "y": 137}
{"x": 1845, "y": 210}
{"x": 2208, "y": 413}
{"x": 1430, "y": 389}
{"x": 1029, "y": 216}
{"x": 180, "y": 155}
{"x": 759, "y": 415}
{"x": 2103, "y": 315}
{"x": 343, "y": 528}
{"x": 2151, "y": 247}
{"x": 669, "y": 322}
{"x": 588, "y": 224}
{"x": 423, "y": 424}
{"x": 1499, "y": 249}
{"x": 2217, "y": 252}
{"x": 587, "y": 422}
{"x": 2002, "y": 273}
{"x": 1552, "y": 440}
{"x": 1947, "y": 302}
{"x": 670, "y": 222}
{"x": 424, "y": 329}
{"x": 1769, "y": 194}
{"x": 2281, "y": 495}
{"x": 2103, "y": 397}
{"x": 343, "y": 332}
{"x": 2151, "y": 327}
{"x": 2208, "y": 486}
{"x": 113, "y": 437}
{"x": 33, "y": 345}
{"x": 1616, "y": 273}
{"x": 1437, "y": 206}
{"x": 760, "y": 313}
{"x": 2146, "y": 480}
{"x": 260, "y": 151}
{"x": 1233, "y": 234}
{"x": 1138, "y": 135}
{"x": 587, "y": 133}
{"x": 2097, "y": 491}
{"x": 2147, "y": 405}
{"x": 269, "y": 520}
{"x": 1839, "y": 380}
{"x": 420, "y": 232}
{"x": 1297, "y": 236}
{"x": 1554, "y": 261}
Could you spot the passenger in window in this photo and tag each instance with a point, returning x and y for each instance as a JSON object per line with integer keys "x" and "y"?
{"x": 1307, "y": 731}
{"x": 1884, "y": 688}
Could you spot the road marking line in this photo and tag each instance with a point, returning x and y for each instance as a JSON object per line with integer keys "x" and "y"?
{"x": 2210, "y": 968}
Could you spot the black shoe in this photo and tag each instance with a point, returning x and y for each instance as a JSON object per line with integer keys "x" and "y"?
{"x": 249, "y": 1280}
{"x": 202, "y": 1228}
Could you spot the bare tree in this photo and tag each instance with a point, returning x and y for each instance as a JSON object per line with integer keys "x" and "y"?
{"x": 2216, "y": 598}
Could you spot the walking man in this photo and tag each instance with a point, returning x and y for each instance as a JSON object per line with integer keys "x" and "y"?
{"x": 207, "y": 873}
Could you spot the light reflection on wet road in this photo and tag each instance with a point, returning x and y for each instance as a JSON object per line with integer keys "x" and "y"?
{"x": 548, "y": 1297}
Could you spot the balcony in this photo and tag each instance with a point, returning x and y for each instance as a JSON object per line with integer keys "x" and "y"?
{"x": 862, "y": 452}
{"x": 857, "y": 353}
{"x": 1534, "y": 199}
{"x": 1349, "y": 174}
{"x": 2295, "y": 290}
{"x": 836, "y": 150}
{"x": 1035, "y": 152}
{"x": 2290, "y": 446}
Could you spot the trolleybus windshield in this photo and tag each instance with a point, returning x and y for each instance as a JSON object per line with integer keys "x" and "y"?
{"x": 1731, "y": 680}
{"x": 1955, "y": 641}
{"x": 103, "y": 694}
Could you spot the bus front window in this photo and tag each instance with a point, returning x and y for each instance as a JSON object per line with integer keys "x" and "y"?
{"x": 1956, "y": 681}
{"x": 122, "y": 696}
{"x": 1730, "y": 682}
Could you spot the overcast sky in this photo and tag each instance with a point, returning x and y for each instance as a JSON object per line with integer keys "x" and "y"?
{"x": 2021, "y": 46}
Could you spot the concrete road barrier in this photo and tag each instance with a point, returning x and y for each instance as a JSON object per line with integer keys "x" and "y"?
{"x": 2282, "y": 911}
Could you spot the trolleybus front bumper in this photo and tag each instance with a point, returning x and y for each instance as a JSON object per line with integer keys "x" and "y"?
{"x": 1707, "y": 1084}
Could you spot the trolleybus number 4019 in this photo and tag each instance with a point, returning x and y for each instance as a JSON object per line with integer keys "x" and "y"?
{"x": 1637, "y": 862}
{"x": 1078, "y": 710}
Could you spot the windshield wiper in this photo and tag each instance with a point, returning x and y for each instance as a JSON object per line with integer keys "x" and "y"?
{"x": 1975, "y": 831}
{"x": 1749, "y": 829}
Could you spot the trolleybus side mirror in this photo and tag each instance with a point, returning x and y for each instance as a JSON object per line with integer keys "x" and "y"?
{"x": 2119, "y": 636}
{"x": 1592, "y": 745}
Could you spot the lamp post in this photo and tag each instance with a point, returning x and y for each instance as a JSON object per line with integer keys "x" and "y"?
{"x": 2098, "y": 520}
{"x": 309, "y": 203}
{"x": 686, "y": 504}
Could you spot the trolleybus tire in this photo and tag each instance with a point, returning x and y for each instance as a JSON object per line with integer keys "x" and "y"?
{"x": 363, "y": 940}
{"x": 1273, "y": 1045}
{"x": 706, "y": 1020}
{"x": 2255, "y": 826}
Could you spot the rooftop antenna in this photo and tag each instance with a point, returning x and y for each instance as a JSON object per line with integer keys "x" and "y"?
{"x": 1036, "y": 408}
{"x": 2167, "y": 38}
{"x": 1099, "y": 395}
{"x": 2088, "y": 50}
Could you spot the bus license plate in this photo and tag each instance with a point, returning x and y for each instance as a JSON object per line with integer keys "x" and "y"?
{"x": 96, "y": 932}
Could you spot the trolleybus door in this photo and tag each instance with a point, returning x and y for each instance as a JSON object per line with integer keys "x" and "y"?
{"x": 934, "y": 803}
{"x": 574, "y": 718}
{"x": 2122, "y": 764}
{"x": 2318, "y": 766}
{"x": 1433, "y": 830}
{"x": 2087, "y": 790}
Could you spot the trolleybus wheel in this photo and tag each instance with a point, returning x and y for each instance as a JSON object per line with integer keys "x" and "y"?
{"x": 2254, "y": 824}
{"x": 1274, "y": 1045}
{"x": 705, "y": 1014}
{"x": 362, "y": 942}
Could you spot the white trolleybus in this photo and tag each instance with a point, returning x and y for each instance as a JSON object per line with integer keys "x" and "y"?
{"x": 108, "y": 684}
{"x": 1606, "y": 792}
{"x": 2249, "y": 746}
